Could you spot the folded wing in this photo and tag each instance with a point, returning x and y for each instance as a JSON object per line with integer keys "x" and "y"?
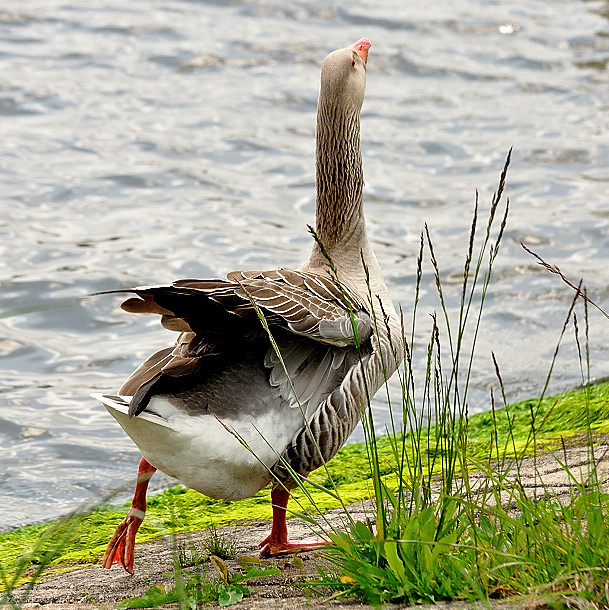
{"x": 218, "y": 318}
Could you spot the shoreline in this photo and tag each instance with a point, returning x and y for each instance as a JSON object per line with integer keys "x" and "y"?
{"x": 577, "y": 417}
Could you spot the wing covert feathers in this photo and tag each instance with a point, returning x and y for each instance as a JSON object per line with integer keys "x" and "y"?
{"x": 306, "y": 304}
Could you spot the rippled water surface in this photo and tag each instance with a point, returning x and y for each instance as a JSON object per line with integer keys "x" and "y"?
{"x": 144, "y": 141}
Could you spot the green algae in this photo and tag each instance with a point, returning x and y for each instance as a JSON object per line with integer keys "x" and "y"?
{"x": 520, "y": 429}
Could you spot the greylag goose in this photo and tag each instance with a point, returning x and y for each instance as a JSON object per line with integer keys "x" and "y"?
{"x": 220, "y": 410}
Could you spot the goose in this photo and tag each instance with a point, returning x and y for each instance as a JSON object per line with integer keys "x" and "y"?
{"x": 272, "y": 369}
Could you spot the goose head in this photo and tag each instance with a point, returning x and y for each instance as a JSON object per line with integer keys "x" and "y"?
{"x": 343, "y": 77}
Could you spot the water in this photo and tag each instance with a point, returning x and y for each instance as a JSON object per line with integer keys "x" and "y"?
{"x": 144, "y": 141}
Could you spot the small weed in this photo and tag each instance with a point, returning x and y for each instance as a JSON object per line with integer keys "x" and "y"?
{"x": 220, "y": 545}
{"x": 189, "y": 553}
{"x": 196, "y": 589}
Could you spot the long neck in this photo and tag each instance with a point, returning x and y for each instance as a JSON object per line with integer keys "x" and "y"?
{"x": 339, "y": 178}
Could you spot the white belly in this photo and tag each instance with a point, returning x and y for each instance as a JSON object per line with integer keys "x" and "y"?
{"x": 202, "y": 454}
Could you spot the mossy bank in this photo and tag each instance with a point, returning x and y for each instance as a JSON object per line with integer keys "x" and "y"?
{"x": 573, "y": 417}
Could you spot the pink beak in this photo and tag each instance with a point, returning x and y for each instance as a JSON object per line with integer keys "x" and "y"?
{"x": 361, "y": 48}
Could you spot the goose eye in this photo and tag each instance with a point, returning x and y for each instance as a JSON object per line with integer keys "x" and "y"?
{"x": 353, "y": 63}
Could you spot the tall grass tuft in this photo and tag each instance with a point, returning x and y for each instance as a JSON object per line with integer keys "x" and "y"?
{"x": 453, "y": 523}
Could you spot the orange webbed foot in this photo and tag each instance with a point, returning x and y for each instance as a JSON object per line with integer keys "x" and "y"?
{"x": 121, "y": 547}
{"x": 274, "y": 548}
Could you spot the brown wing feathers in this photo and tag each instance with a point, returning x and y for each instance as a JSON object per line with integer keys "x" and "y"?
{"x": 173, "y": 370}
{"x": 216, "y": 319}
{"x": 294, "y": 300}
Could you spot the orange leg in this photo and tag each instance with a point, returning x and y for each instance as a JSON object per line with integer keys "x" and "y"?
{"x": 121, "y": 545}
{"x": 277, "y": 542}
